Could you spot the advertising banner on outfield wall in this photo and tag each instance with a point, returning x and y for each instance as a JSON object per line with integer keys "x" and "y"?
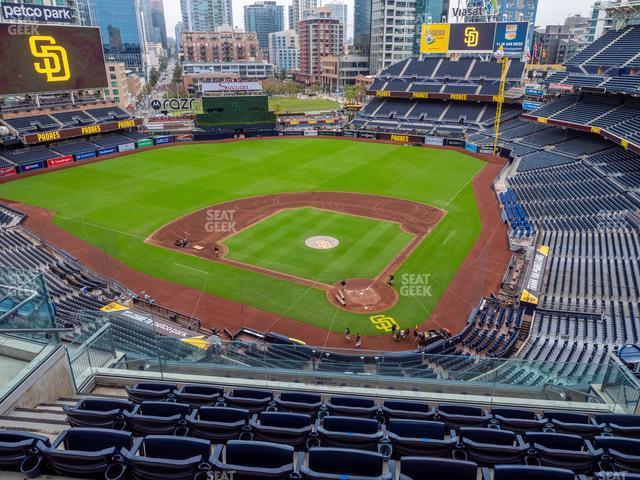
{"x": 31, "y": 166}
{"x": 147, "y": 142}
{"x": 471, "y": 147}
{"x": 454, "y": 142}
{"x": 437, "y": 141}
{"x": 7, "y": 171}
{"x": 85, "y": 155}
{"x": 107, "y": 151}
{"x": 401, "y": 138}
{"x": 349, "y": 133}
{"x": 127, "y": 147}
{"x": 56, "y": 162}
{"x": 368, "y": 135}
{"x": 184, "y": 138}
{"x": 310, "y": 133}
{"x": 163, "y": 140}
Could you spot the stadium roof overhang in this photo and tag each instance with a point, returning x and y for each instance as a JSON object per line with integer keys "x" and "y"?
{"x": 621, "y": 13}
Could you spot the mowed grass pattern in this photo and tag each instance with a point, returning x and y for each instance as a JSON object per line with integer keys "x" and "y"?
{"x": 118, "y": 203}
{"x": 278, "y": 243}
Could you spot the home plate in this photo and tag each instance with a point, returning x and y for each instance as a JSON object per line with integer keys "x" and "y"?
{"x": 198, "y": 247}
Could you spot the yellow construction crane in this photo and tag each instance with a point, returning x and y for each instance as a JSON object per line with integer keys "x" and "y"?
{"x": 506, "y": 62}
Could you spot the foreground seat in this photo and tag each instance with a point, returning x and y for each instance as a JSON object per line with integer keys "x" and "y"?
{"x": 624, "y": 453}
{"x": 342, "y": 463}
{"x": 86, "y": 453}
{"x": 418, "y": 468}
{"x": 419, "y": 437}
{"x": 352, "y": 406}
{"x": 253, "y": 399}
{"x": 282, "y": 427}
{"x": 574, "y": 423}
{"x": 15, "y": 446}
{"x": 349, "y": 432}
{"x": 620, "y": 425}
{"x": 456, "y": 416}
{"x": 98, "y": 413}
{"x": 159, "y": 457}
{"x": 158, "y": 418}
{"x": 295, "y": 402}
{"x": 407, "y": 409}
{"x": 254, "y": 460}
{"x": 198, "y": 395}
{"x": 219, "y": 424}
{"x": 488, "y": 446}
{"x": 517, "y": 420}
{"x": 562, "y": 451}
{"x": 521, "y": 472}
{"x": 150, "y": 391}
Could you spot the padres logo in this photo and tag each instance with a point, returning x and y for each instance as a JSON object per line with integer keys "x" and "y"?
{"x": 471, "y": 36}
{"x": 322, "y": 242}
{"x": 383, "y": 322}
{"x": 53, "y": 61}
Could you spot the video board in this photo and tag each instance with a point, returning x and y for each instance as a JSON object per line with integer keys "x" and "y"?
{"x": 478, "y": 37}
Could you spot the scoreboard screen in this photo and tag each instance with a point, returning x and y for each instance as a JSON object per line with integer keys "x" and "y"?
{"x": 478, "y": 37}
{"x": 472, "y": 37}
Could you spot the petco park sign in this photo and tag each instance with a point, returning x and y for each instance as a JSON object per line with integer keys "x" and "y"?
{"x": 36, "y": 13}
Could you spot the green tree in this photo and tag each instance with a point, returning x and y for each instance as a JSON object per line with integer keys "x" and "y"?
{"x": 154, "y": 76}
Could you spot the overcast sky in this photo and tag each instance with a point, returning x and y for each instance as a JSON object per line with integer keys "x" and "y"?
{"x": 550, "y": 12}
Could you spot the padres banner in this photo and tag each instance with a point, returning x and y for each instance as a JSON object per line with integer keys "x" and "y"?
{"x": 47, "y": 58}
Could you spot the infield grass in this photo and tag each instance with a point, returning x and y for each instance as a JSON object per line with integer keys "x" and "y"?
{"x": 278, "y": 243}
{"x": 116, "y": 204}
{"x": 302, "y": 105}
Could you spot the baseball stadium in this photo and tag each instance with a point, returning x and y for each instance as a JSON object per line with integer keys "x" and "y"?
{"x": 439, "y": 282}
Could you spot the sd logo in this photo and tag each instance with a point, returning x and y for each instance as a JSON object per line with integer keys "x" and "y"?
{"x": 471, "y": 36}
{"x": 53, "y": 58}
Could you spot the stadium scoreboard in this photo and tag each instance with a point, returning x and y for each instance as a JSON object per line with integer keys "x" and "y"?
{"x": 479, "y": 37}
{"x": 50, "y": 58}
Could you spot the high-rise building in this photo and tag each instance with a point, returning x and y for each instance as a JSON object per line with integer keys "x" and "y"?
{"x": 224, "y": 45}
{"x": 362, "y": 26}
{"x": 284, "y": 51}
{"x": 205, "y": 15}
{"x": 264, "y": 17}
{"x": 301, "y": 9}
{"x": 428, "y": 11}
{"x": 598, "y": 21}
{"x": 178, "y": 34}
{"x": 339, "y": 10}
{"x": 555, "y": 44}
{"x": 393, "y": 33}
{"x": 154, "y": 25}
{"x": 320, "y": 36}
{"x": 120, "y": 23}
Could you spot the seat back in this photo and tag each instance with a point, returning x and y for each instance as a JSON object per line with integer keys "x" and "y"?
{"x": 627, "y": 446}
{"x": 94, "y": 439}
{"x": 353, "y": 402}
{"x": 103, "y": 404}
{"x": 488, "y": 436}
{"x": 223, "y": 414}
{"x": 350, "y": 424}
{"x": 417, "y": 429}
{"x": 163, "y": 409}
{"x": 415, "y": 468}
{"x": 154, "y": 386}
{"x": 252, "y": 393}
{"x": 514, "y": 413}
{"x": 174, "y": 448}
{"x": 520, "y": 472}
{"x": 201, "y": 390}
{"x": 567, "y": 417}
{"x": 343, "y": 461}
{"x": 619, "y": 419}
{"x": 406, "y": 406}
{"x": 296, "y": 397}
{"x": 556, "y": 441}
{"x": 258, "y": 454}
{"x": 284, "y": 420}
{"x": 465, "y": 410}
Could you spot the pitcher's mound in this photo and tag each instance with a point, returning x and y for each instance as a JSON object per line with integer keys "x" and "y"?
{"x": 363, "y": 295}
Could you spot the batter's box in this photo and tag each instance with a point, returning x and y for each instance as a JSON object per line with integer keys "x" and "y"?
{"x": 362, "y": 296}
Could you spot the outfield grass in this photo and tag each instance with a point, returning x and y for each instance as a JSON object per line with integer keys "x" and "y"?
{"x": 302, "y": 105}
{"x": 278, "y": 243}
{"x": 116, "y": 204}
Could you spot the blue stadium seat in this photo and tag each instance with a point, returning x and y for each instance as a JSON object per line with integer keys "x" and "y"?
{"x": 517, "y": 420}
{"x": 282, "y": 427}
{"x": 15, "y": 446}
{"x": 620, "y": 425}
{"x": 407, "y": 409}
{"x": 254, "y": 460}
{"x": 87, "y": 453}
{"x": 415, "y": 468}
{"x": 342, "y": 463}
{"x": 624, "y": 453}
{"x": 568, "y": 422}
{"x": 298, "y": 402}
{"x": 253, "y": 399}
{"x": 150, "y": 391}
{"x": 158, "y": 418}
{"x": 456, "y": 416}
{"x": 419, "y": 437}
{"x": 198, "y": 395}
{"x": 160, "y": 457}
{"x": 98, "y": 413}
{"x": 488, "y": 446}
{"x": 349, "y": 432}
{"x": 520, "y": 472}
{"x": 219, "y": 424}
{"x": 352, "y": 406}
{"x": 562, "y": 451}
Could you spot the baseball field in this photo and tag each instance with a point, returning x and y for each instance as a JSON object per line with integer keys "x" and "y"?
{"x": 118, "y": 205}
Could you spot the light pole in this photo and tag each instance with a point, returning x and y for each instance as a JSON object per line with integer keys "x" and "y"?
{"x": 505, "y": 61}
